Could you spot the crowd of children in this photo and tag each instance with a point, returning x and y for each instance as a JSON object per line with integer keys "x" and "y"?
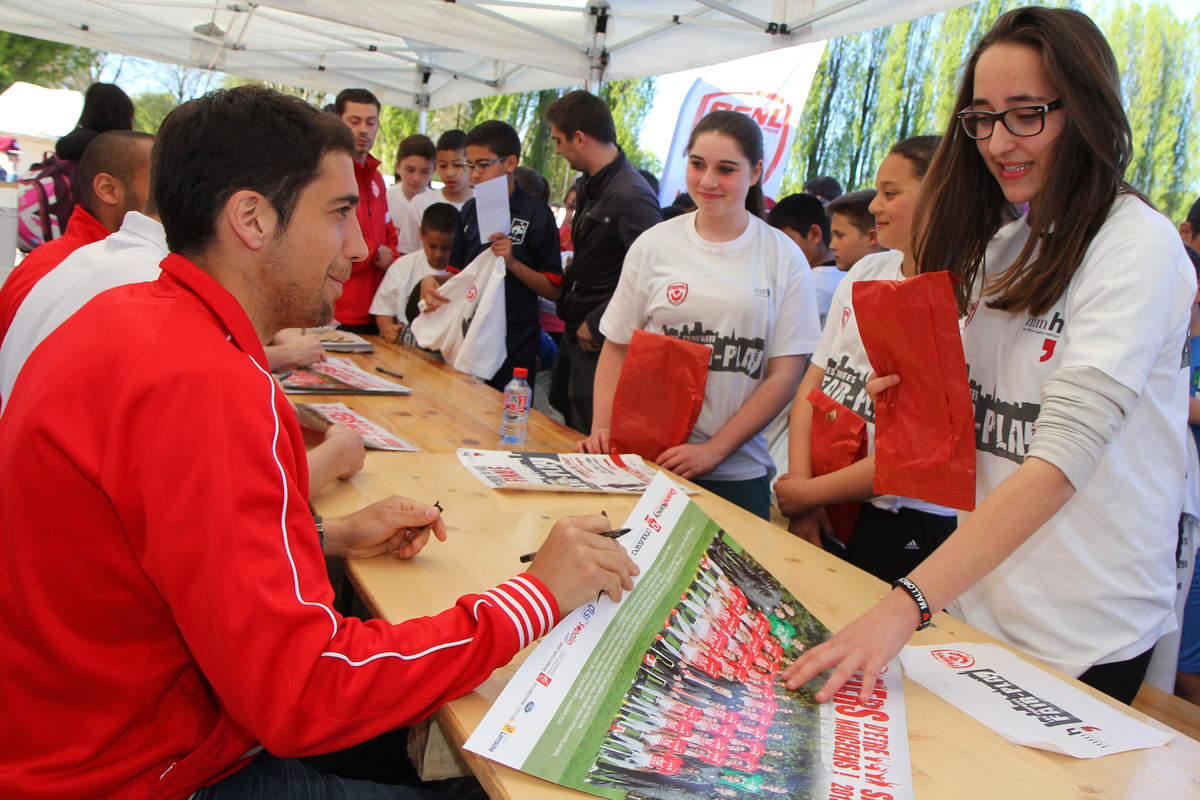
{"x": 1087, "y": 507}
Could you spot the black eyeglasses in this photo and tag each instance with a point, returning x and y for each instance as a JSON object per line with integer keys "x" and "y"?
{"x": 1020, "y": 120}
{"x": 480, "y": 166}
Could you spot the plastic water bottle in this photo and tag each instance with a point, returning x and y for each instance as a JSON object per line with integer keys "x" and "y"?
{"x": 514, "y": 416}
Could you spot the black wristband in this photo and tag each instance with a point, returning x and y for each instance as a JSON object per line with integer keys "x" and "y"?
{"x": 919, "y": 598}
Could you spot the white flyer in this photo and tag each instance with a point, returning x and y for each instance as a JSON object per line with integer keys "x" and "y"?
{"x": 1025, "y": 704}
{"x": 558, "y": 472}
{"x": 372, "y": 435}
{"x": 491, "y": 208}
{"x": 674, "y": 693}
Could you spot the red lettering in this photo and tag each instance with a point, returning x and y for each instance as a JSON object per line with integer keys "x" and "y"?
{"x": 859, "y": 712}
{"x": 719, "y": 106}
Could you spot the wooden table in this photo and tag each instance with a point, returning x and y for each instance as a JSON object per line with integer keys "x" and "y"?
{"x": 446, "y": 410}
{"x": 953, "y": 756}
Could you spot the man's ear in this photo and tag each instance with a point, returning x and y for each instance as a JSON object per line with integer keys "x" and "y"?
{"x": 108, "y": 190}
{"x": 814, "y": 233}
{"x": 251, "y": 218}
{"x": 510, "y": 163}
{"x": 873, "y": 236}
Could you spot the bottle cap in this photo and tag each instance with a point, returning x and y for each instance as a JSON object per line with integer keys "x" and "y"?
{"x": 520, "y": 372}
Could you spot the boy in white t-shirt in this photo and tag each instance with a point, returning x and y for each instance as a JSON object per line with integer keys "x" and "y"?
{"x": 852, "y": 232}
{"x": 414, "y": 168}
{"x": 438, "y": 224}
{"x": 452, "y": 171}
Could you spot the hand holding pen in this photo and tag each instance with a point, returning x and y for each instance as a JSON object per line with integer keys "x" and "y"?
{"x": 575, "y": 563}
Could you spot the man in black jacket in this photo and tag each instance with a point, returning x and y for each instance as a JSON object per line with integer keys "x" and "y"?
{"x": 614, "y": 204}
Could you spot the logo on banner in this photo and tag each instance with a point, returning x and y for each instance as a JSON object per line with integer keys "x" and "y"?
{"x": 954, "y": 659}
{"x": 677, "y": 293}
{"x": 471, "y": 293}
{"x": 543, "y": 679}
{"x": 772, "y": 113}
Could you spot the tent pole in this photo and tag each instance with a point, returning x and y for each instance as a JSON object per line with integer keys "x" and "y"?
{"x": 597, "y": 54}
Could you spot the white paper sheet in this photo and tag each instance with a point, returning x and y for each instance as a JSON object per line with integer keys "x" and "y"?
{"x": 491, "y": 208}
{"x": 1025, "y": 704}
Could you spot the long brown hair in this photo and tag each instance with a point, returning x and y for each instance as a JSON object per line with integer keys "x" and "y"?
{"x": 748, "y": 135}
{"x": 961, "y": 204}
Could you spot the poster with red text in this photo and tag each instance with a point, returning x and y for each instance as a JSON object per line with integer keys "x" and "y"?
{"x": 674, "y": 693}
{"x": 373, "y": 436}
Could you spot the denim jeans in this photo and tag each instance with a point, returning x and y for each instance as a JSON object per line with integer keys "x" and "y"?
{"x": 271, "y": 778}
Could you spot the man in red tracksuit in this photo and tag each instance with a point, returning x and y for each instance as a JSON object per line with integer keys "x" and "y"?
{"x": 165, "y": 614}
{"x": 359, "y": 109}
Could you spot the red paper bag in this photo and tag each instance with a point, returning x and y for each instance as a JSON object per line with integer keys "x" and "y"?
{"x": 658, "y": 395}
{"x": 925, "y": 428}
{"x": 839, "y": 439}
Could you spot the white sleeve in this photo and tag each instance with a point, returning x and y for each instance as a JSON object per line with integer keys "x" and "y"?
{"x": 387, "y": 298}
{"x": 627, "y": 310}
{"x": 1128, "y": 294}
{"x": 842, "y": 302}
{"x": 797, "y": 327}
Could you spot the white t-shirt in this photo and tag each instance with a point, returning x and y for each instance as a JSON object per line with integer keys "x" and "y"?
{"x": 408, "y": 226}
{"x": 1095, "y": 584}
{"x": 751, "y": 299}
{"x": 398, "y": 282}
{"x": 842, "y": 355}
{"x": 825, "y": 282}
{"x": 129, "y": 255}
{"x": 405, "y": 218}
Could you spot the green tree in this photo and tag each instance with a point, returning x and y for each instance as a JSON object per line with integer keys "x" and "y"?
{"x": 37, "y": 61}
{"x": 150, "y": 109}
{"x": 1159, "y": 58}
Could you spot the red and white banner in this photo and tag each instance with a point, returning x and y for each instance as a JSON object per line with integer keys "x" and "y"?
{"x": 770, "y": 88}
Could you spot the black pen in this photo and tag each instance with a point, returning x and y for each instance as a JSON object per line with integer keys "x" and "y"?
{"x": 387, "y": 371}
{"x": 617, "y": 534}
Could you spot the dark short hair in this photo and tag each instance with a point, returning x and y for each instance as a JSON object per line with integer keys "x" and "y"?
{"x": 251, "y": 138}
{"x": 650, "y": 179}
{"x": 582, "y": 111}
{"x": 919, "y": 150}
{"x": 499, "y": 137}
{"x": 824, "y": 187}
{"x": 354, "y": 96}
{"x": 416, "y": 145}
{"x": 532, "y": 181}
{"x": 856, "y": 206}
{"x": 118, "y": 153}
{"x": 440, "y": 217}
{"x": 1193, "y": 216}
{"x": 800, "y": 212}
{"x": 106, "y": 107}
{"x": 453, "y": 139}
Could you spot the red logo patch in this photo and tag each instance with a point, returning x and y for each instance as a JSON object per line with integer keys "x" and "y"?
{"x": 677, "y": 293}
{"x": 845, "y": 315}
{"x": 955, "y": 659}
{"x": 471, "y": 294}
{"x": 1047, "y": 349}
{"x": 543, "y": 679}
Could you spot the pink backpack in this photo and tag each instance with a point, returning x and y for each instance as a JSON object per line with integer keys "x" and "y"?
{"x": 45, "y": 200}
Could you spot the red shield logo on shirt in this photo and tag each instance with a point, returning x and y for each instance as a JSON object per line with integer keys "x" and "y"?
{"x": 677, "y": 293}
{"x": 471, "y": 294}
{"x": 845, "y": 315}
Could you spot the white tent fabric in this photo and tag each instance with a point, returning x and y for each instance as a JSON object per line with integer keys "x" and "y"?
{"x": 433, "y": 53}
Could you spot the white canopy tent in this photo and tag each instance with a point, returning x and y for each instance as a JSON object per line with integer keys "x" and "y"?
{"x": 432, "y": 53}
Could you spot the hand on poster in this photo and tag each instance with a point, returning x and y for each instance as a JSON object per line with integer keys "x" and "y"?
{"x": 395, "y": 525}
{"x": 575, "y": 564}
{"x": 597, "y": 442}
{"x": 690, "y": 460}
{"x": 347, "y": 452}
{"x": 868, "y": 644}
